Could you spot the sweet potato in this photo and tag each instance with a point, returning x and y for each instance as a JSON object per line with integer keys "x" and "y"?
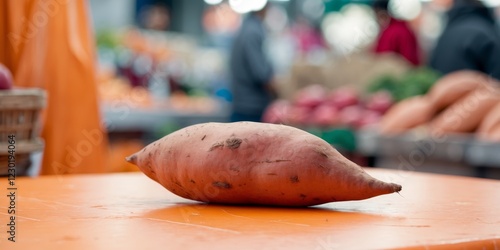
{"x": 466, "y": 114}
{"x": 407, "y": 114}
{"x": 491, "y": 120}
{"x": 255, "y": 163}
{"x": 493, "y": 135}
{"x": 454, "y": 86}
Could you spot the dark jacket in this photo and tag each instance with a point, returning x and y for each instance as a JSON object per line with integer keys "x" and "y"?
{"x": 471, "y": 40}
{"x": 250, "y": 69}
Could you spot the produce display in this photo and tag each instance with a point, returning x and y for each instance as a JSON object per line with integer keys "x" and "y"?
{"x": 460, "y": 102}
{"x": 465, "y": 115}
{"x": 413, "y": 83}
{"x": 117, "y": 90}
{"x": 454, "y": 86}
{"x": 489, "y": 129}
{"x": 315, "y": 106}
{"x": 255, "y": 163}
{"x": 407, "y": 114}
{"x": 158, "y": 70}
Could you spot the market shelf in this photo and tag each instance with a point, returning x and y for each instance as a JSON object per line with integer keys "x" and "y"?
{"x": 450, "y": 148}
{"x": 412, "y": 149}
{"x": 485, "y": 154}
{"x": 126, "y": 118}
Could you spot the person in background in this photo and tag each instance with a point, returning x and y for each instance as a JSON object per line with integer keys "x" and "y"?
{"x": 470, "y": 40}
{"x": 396, "y": 36}
{"x": 251, "y": 71}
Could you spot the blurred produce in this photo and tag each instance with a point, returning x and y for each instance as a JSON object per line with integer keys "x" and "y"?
{"x": 333, "y": 73}
{"x": 490, "y": 126}
{"x": 119, "y": 90}
{"x": 407, "y": 114}
{"x": 325, "y": 115}
{"x": 465, "y": 115}
{"x": 351, "y": 115}
{"x": 150, "y": 69}
{"x": 454, "y": 86}
{"x": 316, "y": 106}
{"x": 413, "y": 83}
{"x": 277, "y": 112}
{"x": 343, "y": 97}
{"x": 460, "y": 102}
{"x": 310, "y": 97}
{"x": 6, "y": 81}
{"x": 380, "y": 102}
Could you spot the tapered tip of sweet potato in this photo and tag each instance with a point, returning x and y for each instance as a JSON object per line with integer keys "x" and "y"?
{"x": 132, "y": 159}
{"x": 396, "y": 187}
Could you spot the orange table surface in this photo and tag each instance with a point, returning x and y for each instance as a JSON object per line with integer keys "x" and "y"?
{"x": 130, "y": 211}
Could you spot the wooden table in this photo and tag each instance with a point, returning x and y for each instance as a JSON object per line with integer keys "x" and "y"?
{"x": 129, "y": 211}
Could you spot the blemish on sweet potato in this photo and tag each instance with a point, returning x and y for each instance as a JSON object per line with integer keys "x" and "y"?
{"x": 303, "y": 196}
{"x": 272, "y": 174}
{"x": 150, "y": 167}
{"x": 192, "y": 181}
{"x": 233, "y": 143}
{"x": 234, "y": 168}
{"x": 323, "y": 168}
{"x": 294, "y": 179}
{"x": 216, "y": 146}
{"x": 203, "y": 138}
{"x": 270, "y": 161}
{"x": 221, "y": 184}
{"x": 321, "y": 152}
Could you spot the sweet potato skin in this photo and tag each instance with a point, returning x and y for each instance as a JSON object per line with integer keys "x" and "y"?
{"x": 255, "y": 163}
{"x": 466, "y": 114}
{"x": 407, "y": 114}
{"x": 454, "y": 86}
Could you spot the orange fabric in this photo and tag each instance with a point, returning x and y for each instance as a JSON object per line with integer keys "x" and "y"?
{"x": 48, "y": 44}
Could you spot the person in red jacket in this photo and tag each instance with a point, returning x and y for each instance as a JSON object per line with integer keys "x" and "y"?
{"x": 395, "y": 36}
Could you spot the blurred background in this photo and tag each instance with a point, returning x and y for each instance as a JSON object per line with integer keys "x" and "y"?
{"x": 165, "y": 64}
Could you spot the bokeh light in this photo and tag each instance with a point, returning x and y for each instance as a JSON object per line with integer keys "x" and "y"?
{"x": 276, "y": 18}
{"x": 492, "y": 3}
{"x": 405, "y": 9}
{"x": 351, "y": 29}
{"x": 313, "y": 9}
{"x": 213, "y": 2}
{"x": 245, "y": 6}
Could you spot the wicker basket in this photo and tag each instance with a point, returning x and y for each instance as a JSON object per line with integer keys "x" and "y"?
{"x": 20, "y": 116}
